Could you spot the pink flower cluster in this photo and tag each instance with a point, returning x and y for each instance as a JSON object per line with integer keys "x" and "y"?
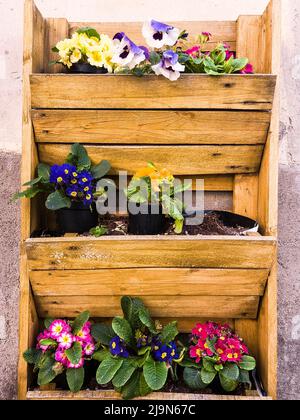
{"x": 216, "y": 340}
{"x": 61, "y": 332}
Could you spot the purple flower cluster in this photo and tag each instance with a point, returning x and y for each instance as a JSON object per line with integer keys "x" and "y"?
{"x": 60, "y": 333}
{"x": 78, "y": 185}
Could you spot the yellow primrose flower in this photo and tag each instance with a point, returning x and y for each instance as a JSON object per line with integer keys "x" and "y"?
{"x": 95, "y": 58}
{"x": 76, "y": 56}
{"x": 66, "y": 62}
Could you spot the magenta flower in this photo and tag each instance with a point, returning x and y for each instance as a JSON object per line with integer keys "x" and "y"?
{"x": 61, "y": 357}
{"x": 78, "y": 366}
{"x": 89, "y": 349}
{"x": 43, "y": 336}
{"x": 193, "y": 51}
{"x": 66, "y": 340}
{"x": 248, "y": 69}
{"x": 58, "y": 327}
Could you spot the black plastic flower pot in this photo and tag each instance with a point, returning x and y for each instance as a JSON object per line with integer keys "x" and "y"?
{"x": 234, "y": 220}
{"x": 86, "y": 68}
{"x": 149, "y": 221}
{"x": 77, "y": 219}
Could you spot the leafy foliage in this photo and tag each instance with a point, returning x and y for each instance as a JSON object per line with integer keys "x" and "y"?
{"x": 139, "y": 357}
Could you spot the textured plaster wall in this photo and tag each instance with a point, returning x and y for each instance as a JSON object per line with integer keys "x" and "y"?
{"x": 11, "y": 27}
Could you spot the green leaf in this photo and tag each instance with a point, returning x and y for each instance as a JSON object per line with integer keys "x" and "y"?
{"x": 33, "y": 182}
{"x": 227, "y": 384}
{"x": 247, "y": 363}
{"x": 206, "y": 376}
{"x": 169, "y": 332}
{"x": 107, "y": 370}
{"x": 144, "y": 389}
{"x": 154, "y": 58}
{"x": 123, "y": 329}
{"x": 131, "y": 389}
{"x": 48, "y": 322}
{"x": 231, "y": 371}
{"x": 239, "y": 64}
{"x": 55, "y": 49}
{"x": 124, "y": 374}
{"x": 48, "y": 342}
{"x": 75, "y": 379}
{"x": 189, "y": 364}
{"x": 57, "y": 201}
{"x": 146, "y": 319}
{"x": 103, "y": 333}
{"x": 29, "y": 193}
{"x": 90, "y": 32}
{"x": 209, "y": 365}
{"x": 193, "y": 379}
{"x": 244, "y": 377}
{"x": 178, "y": 226}
{"x": 80, "y": 157}
{"x": 211, "y": 344}
{"x": 46, "y": 372}
{"x": 131, "y": 308}
{"x": 44, "y": 172}
{"x": 32, "y": 356}
{"x": 100, "y": 170}
{"x": 155, "y": 373}
{"x": 98, "y": 231}
{"x": 74, "y": 354}
{"x": 80, "y": 321}
{"x": 101, "y": 355}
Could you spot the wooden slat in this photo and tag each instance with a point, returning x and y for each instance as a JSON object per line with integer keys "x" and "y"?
{"x": 245, "y": 195}
{"x": 112, "y": 395}
{"x": 159, "y": 306}
{"x": 131, "y": 252}
{"x": 57, "y": 29}
{"x": 222, "y": 31}
{"x": 249, "y": 40}
{"x": 142, "y": 282}
{"x": 250, "y": 92}
{"x": 150, "y": 127}
{"x": 182, "y": 160}
{"x": 33, "y": 61}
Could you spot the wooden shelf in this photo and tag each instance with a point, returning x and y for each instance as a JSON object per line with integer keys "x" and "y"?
{"x": 223, "y": 129}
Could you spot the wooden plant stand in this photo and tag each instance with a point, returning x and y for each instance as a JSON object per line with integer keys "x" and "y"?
{"x": 223, "y": 129}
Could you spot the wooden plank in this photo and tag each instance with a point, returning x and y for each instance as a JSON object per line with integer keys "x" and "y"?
{"x": 150, "y": 127}
{"x": 185, "y": 325}
{"x": 112, "y": 395}
{"x": 182, "y": 160}
{"x": 244, "y": 92}
{"x": 268, "y": 202}
{"x": 245, "y": 195}
{"x": 149, "y": 251}
{"x": 143, "y": 282}
{"x": 33, "y": 60}
{"x": 159, "y": 306}
{"x": 248, "y": 330}
{"x": 211, "y": 182}
{"x": 222, "y": 31}
{"x": 56, "y": 30}
{"x": 248, "y": 40}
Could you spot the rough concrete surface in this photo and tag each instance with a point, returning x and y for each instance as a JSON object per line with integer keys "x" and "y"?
{"x": 11, "y": 17}
{"x": 9, "y": 273}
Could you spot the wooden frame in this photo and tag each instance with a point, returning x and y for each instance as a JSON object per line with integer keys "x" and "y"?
{"x": 236, "y": 153}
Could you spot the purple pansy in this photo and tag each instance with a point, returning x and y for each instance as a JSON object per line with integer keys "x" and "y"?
{"x": 158, "y": 34}
{"x": 127, "y": 53}
{"x": 169, "y": 66}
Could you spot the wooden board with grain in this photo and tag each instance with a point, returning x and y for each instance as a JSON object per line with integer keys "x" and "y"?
{"x": 182, "y": 160}
{"x": 158, "y": 396}
{"x": 222, "y": 31}
{"x": 138, "y": 252}
{"x": 191, "y": 91}
{"x": 150, "y": 127}
{"x": 142, "y": 282}
{"x": 159, "y": 306}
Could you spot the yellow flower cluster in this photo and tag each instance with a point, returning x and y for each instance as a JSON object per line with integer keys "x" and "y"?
{"x": 157, "y": 176}
{"x": 82, "y": 48}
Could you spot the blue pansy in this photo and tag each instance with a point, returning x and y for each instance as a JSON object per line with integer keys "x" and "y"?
{"x": 127, "y": 53}
{"x": 158, "y": 34}
{"x": 117, "y": 347}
